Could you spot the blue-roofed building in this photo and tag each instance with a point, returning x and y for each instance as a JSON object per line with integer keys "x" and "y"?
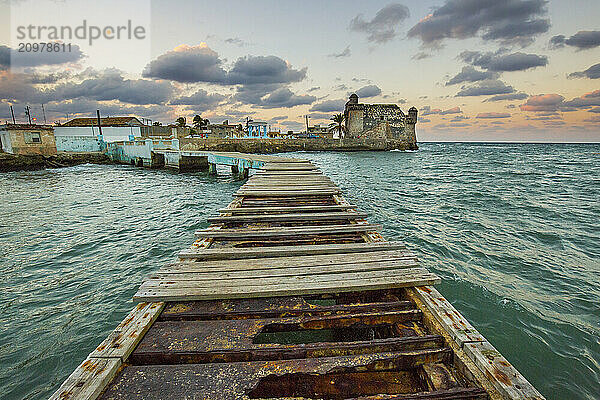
{"x": 257, "y": 129}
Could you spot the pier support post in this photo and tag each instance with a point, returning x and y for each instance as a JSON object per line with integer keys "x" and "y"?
{"x": 212, "y": 169}
{"x": 245, "y": 173}
{"x": 235, "y": 170}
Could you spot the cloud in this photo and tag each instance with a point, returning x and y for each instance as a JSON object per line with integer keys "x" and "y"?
{"x": 592, "y": 72}
{"x": 329, "y": 106}
{"x": 344, "y": 53}
{"x": 369, "y": 91}
{"x": 284, "y": 97}
{"x": 545, "y": 117}
{"x": 427, "y": 110}
{"x": 455, "y": 110}
{"x": 507, "y": 21}
{"x": 271, "y": 96}
{"x": 499, "y": 62}
{"x": 594, "y": 119}
{"x": 237, "y": 42}
{"x": 110, "y": 85}
{"x": 320, "y": 115}
{"x": 105, "y": 85}
{"x": 18, "y": 88}
{"x": 82, "y": 107}
{"x": 459, "y": 118}
{"x": 424, "y": 120}
{"x": 187, "y": 64}
{"x": 201, "y": 100}
{"x": 508, "y": 97}
{"x": 493, "y": 115}
{"x": 313, "y": 89}
{"x": 555, "y": 102}
{"x": 543, "y": 102}
{"x": 293, "y": 125}
{"x": 48, "y": 79}
{"x": 588, "y": 100}
{"x": 10, "y": 57}
{"x": 595, "y": 110}
{"x": 382, "y": 28}
{"x": 582, "y": 40}
{"x": 486, "y": 88}
{"x": 470, "y": 74}
{"x": 421, "y": 56}
{"x": 263, "y": 69}
{"x": 191, "y": 64}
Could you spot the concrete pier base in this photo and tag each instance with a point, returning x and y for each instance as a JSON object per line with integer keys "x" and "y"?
{"x": 234, "y": 170}
{"x": 190, "y": 164}
{"x": 212, "y": 169}
{"x": 158, "y": 160}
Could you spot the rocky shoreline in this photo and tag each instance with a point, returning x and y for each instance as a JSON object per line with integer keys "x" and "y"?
{"x": 13, "y": 162}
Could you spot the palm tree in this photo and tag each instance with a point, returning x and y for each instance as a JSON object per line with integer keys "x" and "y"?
{"x": 181, "y": 121}
{"x": 200, "y": 122}
{"x": 197, "y": 121}
{"x": 338, "y": 124}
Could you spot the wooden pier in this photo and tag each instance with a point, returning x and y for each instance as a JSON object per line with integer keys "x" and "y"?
{"x": 291, "y": 293}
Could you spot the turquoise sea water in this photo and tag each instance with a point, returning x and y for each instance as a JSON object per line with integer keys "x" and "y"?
{"x": 513, "y": 230}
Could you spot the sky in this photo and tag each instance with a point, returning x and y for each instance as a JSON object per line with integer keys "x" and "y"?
{"x": 477, "y": 70}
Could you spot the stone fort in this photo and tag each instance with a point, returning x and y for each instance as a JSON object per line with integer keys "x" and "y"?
{"x": 380, "y": 121}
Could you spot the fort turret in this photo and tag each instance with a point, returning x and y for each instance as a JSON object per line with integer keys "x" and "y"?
{"x": 384, "y": 122}
{"x": 411, "y": 121}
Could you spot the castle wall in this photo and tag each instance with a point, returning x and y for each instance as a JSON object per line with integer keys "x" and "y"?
{"x": 354, "y": 122}
{"x": 380, "y": 121}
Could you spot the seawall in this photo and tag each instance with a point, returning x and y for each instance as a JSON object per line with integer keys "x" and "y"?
{"x": 265, "y": 146}
{"x": 15, "y": 162}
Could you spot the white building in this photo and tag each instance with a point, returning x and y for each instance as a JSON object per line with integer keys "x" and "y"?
{"x": 114, "y": 129}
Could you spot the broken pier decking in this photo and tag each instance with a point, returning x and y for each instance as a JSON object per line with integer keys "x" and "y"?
{"x": 291, "y": 293}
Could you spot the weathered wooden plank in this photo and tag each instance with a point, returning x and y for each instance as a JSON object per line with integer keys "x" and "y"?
{"x": 279, "y": 307}
{"x": 179, "y": 280}
{"x": 304, "y": 261}
{"x": 286, "y": 251}
{"x": 453, "y": 322}
{"x": 287, "y": 188}
{"x": 209, "y": 274}
{"x": 291, "y": 209}
{"x": 275, "y": 173}
{"x": 178, "y": 342}
{"x": 503, "y": 376}
{"x": 293, "y": 182}
{"x": 289, "y": 167}
{"x": 225, "y": 381}
{"x": 438, "y": 377}
{"x": 246, "y": 233}
{"x": 285, "y": 288}
{"x": 88, "y": 380}
{"x": 121, "y": 342}
{"x": 288, "y": 177}
{"x": 290, "y": 217}
{"x": 286, "y": 193}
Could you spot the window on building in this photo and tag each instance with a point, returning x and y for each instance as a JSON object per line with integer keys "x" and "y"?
{"x": 33, "y": 137}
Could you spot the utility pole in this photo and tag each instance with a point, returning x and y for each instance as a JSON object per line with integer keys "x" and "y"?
{"x": 306, "y": 124}
{"x": 12, "y": 112}
{"x": 28, "y": 113}
{"x": 99, "y": 123}
{"x": 44, "y": 111}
